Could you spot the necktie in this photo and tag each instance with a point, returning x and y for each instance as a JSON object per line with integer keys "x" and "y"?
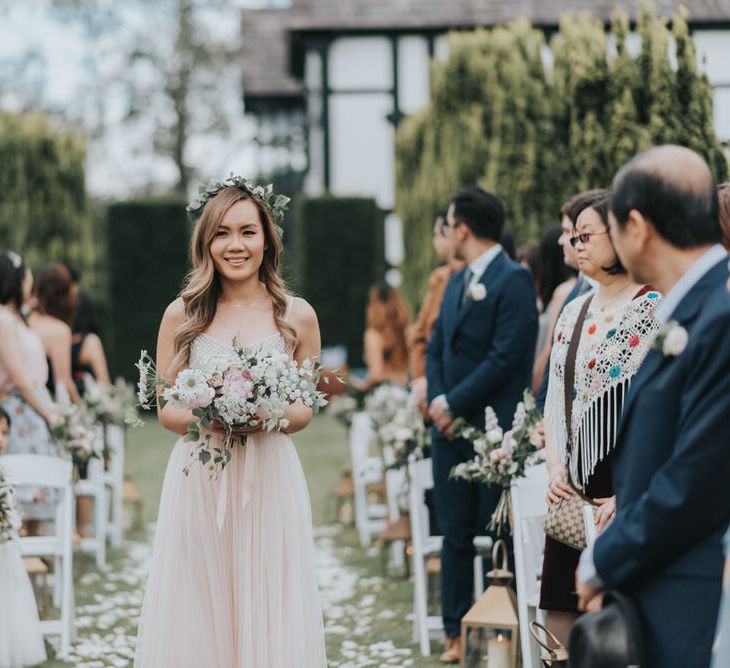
{"x": 468, "y": 275}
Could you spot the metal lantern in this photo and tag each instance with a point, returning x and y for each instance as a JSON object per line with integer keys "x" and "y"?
{"x": 490, "y": 630}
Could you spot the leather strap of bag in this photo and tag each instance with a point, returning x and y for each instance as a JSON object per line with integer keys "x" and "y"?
{"x": 570, "y": 369}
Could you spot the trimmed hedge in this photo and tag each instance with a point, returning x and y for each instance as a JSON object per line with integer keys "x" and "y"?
{"x": 147, "y": 251}
{"x": 334, "y": 252}
{"x": 44, "y": 211}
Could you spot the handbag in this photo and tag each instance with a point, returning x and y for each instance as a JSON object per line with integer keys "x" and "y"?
{"x": 609, "y": 638}
{"x": 556, "y": 656}
{"x": 564, "y": 520}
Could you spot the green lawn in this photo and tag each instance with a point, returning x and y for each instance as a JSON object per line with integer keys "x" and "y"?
{"x": 366, "y": 612}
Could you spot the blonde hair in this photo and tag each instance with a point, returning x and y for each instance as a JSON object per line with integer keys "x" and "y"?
{"x": 202, "y": 289}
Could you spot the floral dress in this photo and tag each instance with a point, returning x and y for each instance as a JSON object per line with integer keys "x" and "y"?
{"x": 612, "y": 346}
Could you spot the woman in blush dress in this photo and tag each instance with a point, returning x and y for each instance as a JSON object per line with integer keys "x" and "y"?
{"x": 23, "y": 376}
{"x": 244, "y": 595}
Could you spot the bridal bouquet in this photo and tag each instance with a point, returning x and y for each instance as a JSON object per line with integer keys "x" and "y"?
{"x": 406, "y": 435}
{"x": 502, "y": 457}
{"x": 251, "y": 390}
{"x": 9, "y": 518}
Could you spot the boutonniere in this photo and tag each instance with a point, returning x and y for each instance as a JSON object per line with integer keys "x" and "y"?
{"x": 671, "y": 339}
{"x": 477, "y": 292}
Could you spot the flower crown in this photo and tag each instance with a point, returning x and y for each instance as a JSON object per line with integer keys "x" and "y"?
{"x": 277, "y": 204}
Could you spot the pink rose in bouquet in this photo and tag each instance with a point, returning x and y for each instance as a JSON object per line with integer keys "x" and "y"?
{"x": 237, "y": 383}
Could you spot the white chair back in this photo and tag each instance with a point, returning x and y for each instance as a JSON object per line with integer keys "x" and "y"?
{"x": 115, "y": 439}
{"x": 366, "y": 470}
{"x": 53, "y": 472}
{"x": 94, "y": 486}
{"x": 394, "y": 482}
{"x": 529, "y": 508}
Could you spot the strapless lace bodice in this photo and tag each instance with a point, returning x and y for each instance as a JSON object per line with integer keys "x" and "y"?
{"x": 205, "y": 347}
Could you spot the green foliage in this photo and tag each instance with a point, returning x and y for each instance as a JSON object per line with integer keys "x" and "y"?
{"x": 44, "y": 212}
{"x": 334, "y": 251}
{"x": 537, "y": 134}
{"x": 147, "y": 259}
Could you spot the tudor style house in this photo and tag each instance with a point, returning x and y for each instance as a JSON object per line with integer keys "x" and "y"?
{"x": 329, "y": 80}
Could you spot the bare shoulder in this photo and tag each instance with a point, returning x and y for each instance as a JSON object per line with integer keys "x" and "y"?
{"x": 174, "y": 313}
{"x": 58, "y": 328}
{"x": 373, "y": 337}
{"x": 302, "y": 314}
{"x": 563, "y": 290}
{"x": 7, "y": 319}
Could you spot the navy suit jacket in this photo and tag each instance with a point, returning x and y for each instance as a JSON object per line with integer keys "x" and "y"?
{"x": 481, "y": 352}
{"x": 672, "y": 460}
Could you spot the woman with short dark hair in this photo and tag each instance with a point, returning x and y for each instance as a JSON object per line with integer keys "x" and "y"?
{"x": 582, "y": 410}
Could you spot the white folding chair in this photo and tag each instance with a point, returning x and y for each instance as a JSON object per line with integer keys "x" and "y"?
{"x": 95, "y": 487}
{"x": 394, "y": 482}
{"x": 56, "y": 473}
{"x": 425, "y": 546}
{"x": 366, "y": 470}
{"x": 529, "y": 508}
{"x": 114, "y": 479}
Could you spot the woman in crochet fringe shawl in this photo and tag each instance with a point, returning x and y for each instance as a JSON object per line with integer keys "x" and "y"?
{"x": 614, "y": 339}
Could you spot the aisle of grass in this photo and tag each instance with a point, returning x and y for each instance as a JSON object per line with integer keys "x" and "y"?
{"x": 366, "y": 612}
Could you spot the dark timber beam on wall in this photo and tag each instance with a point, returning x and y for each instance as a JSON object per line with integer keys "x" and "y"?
{"x": 396, "y": 116}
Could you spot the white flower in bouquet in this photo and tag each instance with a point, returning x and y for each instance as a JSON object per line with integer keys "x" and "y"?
{"x": 490, "y": 419}
{"x": 494, "y": 436}
{"x": 481, "y": 445}
{"x": 142, "y": 383}
{"x": 192, "y": 390}
{"x": 536, "y": 437}
{"x": 518, "y": 421}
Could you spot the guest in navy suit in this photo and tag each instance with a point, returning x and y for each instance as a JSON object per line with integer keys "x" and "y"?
{"x": 480, "y": 354}
{"x": 672, "y": 458}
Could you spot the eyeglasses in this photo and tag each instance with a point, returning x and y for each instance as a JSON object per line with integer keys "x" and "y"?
{"x": 584, "y": 238}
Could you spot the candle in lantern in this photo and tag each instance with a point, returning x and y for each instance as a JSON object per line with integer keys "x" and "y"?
{"x": 498, "y": 652}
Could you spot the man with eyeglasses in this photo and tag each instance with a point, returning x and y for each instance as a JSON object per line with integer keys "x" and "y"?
{"x": 569, "y": 215}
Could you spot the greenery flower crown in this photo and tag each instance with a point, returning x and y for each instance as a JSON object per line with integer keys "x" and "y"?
{"x": 277, "y": 204}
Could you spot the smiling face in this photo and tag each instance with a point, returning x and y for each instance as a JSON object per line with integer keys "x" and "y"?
{"x": 238, "y": 245}
{"x": 598, "y": 251}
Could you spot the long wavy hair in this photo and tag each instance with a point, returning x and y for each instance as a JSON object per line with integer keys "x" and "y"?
{"x": 202, "y": 289}
{"x": 389, "y": 315}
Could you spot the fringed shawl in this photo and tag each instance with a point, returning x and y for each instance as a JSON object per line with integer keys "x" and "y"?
{"x": 612, "y": 347}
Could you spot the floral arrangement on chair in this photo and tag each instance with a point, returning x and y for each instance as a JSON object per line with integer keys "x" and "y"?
{"x": 501, "y": 457}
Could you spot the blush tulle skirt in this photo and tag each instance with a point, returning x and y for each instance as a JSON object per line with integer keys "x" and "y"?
{"x": 21, "y": 642}
{"x": 232, "y": 581}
